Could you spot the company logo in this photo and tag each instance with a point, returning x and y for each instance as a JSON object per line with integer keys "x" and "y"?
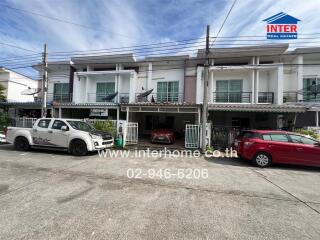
{"x": 282, "y": 26}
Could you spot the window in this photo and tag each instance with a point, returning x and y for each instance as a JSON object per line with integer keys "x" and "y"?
{"x": 168, "y": 91}
{"x": 275, "y": 137}
{"x": 311, "y": 89}
{"x": 57, "y": 124}
{"x": 61, "y": 92}
{"x": 302, "y": 140}
{"x": 104, "y": 89}
{"x": 44, "y": 123}
{"x": 229, "y": 91}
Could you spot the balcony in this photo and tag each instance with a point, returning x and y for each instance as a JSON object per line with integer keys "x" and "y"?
{"x": 165, "y": 97}
{"x": 54, "y": 97}
{"x": 242, "y": 97}
{"x": 290, "y": 96}
{"x": 108, "y": 98}
{"x": 232, "y": 97}
{"x": 266, "y": 97}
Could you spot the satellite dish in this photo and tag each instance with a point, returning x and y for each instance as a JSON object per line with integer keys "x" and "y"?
{"x": 30, "y": 91}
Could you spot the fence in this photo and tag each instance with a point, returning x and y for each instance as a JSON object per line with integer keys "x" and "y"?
{"x": 22, "y": 122}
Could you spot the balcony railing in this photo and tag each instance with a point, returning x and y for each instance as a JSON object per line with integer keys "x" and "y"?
{"x": 53, "y": 97}
{"x": 242, "y": 97}
{"x": 266, "y": 97}
{"x": 160, "y": 97}
{"x": 290, "y": 96}
{"x": 232, "y": 97}
{"x": 107, "y": 98}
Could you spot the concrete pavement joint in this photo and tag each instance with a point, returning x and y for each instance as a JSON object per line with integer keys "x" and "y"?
{"x": 287, "y": 192}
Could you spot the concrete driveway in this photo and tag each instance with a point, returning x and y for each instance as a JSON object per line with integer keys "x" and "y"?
{"x": 52, "y": 195}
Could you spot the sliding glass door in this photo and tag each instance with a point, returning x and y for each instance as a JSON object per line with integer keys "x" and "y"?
{"x": 104, "y": 89}
{"x": 168, "y": 91}
{"x": 229, "y": 91}
{"x": 311, "y": 89}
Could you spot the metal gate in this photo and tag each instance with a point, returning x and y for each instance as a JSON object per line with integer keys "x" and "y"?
{"x": 193, "y": 136}
{"x": 131, "y": 133}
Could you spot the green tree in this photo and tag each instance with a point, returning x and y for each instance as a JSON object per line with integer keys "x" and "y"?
{"x": 2, "y": 96}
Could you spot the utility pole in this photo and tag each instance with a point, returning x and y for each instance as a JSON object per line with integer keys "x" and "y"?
{"x": 44, "y": 81}
{"x": 205, "y": 91}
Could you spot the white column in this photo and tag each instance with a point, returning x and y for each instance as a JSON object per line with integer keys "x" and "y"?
{"x": 132, "y": 93}
{"x": 299, "y": 61}
{"x": 86, "y": 97}
{"x": 252, "y": 81}
{"x": 278, "y": 95}
{"x": 199, "y": 85}
{"x": 118, "y": 114}
{"x": 257, "y": 81}
{"x": 60, "y": 112}
{"x": 149, "y": 79}
{"x": 211, "y": 87}
{"x": 127, "y": 117}
{"x": 317, "y": 118}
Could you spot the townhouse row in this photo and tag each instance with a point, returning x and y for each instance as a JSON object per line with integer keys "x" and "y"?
{"x": 263, "y": 87}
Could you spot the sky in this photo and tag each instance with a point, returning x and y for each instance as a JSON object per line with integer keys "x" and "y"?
{"x": 122, "y": 23}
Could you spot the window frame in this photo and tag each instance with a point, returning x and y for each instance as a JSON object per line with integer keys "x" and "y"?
{"x": 47, "y": 120}
{"x": 52, "y": 126}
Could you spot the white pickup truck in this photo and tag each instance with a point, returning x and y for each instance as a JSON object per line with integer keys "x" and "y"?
{"x": 73, "y": 135}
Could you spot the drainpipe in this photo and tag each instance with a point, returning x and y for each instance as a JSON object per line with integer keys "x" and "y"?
{"x": 317, "y": 119}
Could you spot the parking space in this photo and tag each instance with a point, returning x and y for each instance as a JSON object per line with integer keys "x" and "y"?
{"x": 52, "y": 195}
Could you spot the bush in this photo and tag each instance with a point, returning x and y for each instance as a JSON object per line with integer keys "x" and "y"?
{"x": 4, "y": 121}
{"x": 307, "y": 132}
{"x": 105, "y": 126}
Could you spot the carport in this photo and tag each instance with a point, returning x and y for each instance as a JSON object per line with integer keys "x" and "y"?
{"x": 174, "y": 116}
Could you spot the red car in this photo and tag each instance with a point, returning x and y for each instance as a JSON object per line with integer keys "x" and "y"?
{"x": 264, "y": 147}
{"x": 162, "y": 136}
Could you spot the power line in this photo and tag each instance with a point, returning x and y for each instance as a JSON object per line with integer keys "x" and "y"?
{"x": 64, "y": 21}
{"x": 15, "y": 46}
{"x": 224, "y": 21}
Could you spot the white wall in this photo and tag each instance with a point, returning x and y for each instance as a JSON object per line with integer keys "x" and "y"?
{"x": 16, "y": 83}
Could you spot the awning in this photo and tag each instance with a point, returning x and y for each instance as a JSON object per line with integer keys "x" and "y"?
{"x": 257, "y": 108}
{"x": 161, "y": 107}
{"x": 85, "y": 105}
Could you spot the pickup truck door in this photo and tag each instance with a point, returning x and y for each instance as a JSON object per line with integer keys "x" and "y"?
{"x": 58, "y": 137}
{"x": 40, "y": 133}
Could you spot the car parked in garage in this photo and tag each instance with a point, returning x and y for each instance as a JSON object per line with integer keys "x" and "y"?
{"x": 264, "y": 147}
{"x": 162, "y": 135}
{"x": 75, "y": 136}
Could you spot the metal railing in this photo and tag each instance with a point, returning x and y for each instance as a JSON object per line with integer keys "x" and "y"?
{"x": 22, "y": 122}
{"x": 106, "y": 97}
{"x": 52, "y": 97}
{"x": 160, "y": 97}
{"x": 232, "y": 97}
{"x": 290, "y": 96}
{"x": 265, "y": 97}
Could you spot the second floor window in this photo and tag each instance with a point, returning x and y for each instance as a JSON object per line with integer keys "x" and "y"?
{"x": 104, "y": 89}
{"x": 168, "y": 91}
{"x": 229, "y": 91}
{"x": 311, "y": 89}
{"x": 61, "y": 92}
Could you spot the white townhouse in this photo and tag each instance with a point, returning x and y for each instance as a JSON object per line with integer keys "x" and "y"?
{"x": 262, "y": 87}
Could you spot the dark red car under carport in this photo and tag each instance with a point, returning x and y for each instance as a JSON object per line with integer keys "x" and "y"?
{"x": 162, "y": 136}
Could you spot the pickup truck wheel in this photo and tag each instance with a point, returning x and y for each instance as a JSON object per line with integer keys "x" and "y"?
{"x": 262, "y": 159}
{"x": 78, "y": 148}
{"x": 21, "y": 144}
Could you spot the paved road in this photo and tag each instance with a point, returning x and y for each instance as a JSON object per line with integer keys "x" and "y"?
{"x": 49, "y": 195}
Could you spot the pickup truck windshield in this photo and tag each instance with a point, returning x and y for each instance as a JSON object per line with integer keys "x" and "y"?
{"x": 82, "y": 126}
